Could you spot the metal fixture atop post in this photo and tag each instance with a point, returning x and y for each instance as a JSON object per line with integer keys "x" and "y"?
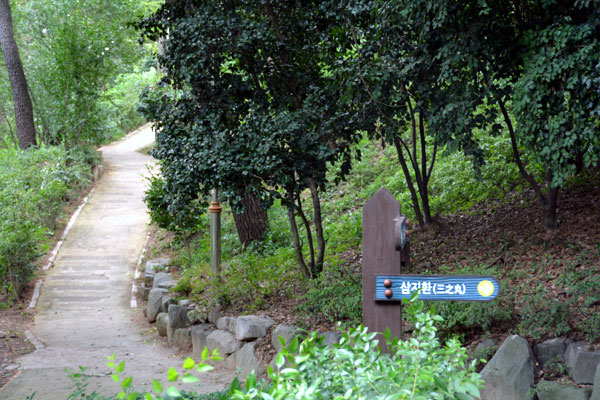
{"x": 215, "y": 234}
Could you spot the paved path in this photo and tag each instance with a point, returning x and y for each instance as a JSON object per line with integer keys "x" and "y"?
{"x": 84, "y": 313}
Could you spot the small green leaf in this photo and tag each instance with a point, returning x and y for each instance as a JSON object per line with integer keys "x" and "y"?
{"x": 172, "y": 391}
{"x": 121, "y": 395}
{"x": 158, "y": 388}
{"x": 148, "y": 396}
{"x": 279, "y": 360}
{"x": 172, "y": 375}
{"x": 201, "y": 368}
{"x": 132, "y": 396}
{"x": 110, "y": 364}
{"x": 127, "y": 382}
{"x": 121, "y": 367}
{"x": 204, "y": 354}
{"x": 189, "y": 378}
{"x": 294, "y": 345}
{"x": 115, "y": 377}
{"x": 188, "y": 363}
{"x": 251, "y": 381}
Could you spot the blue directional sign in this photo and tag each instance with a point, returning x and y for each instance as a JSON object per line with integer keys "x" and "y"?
{"x": 447, "y": 288}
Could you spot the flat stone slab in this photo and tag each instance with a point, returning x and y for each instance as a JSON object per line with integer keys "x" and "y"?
{"x": 154, "y": 303}
{"x": 227, "y": 324}
{"x": 550, "y": 390}
{"x": 582, "y": 362}
{"x": 331, "y": 338}
{"x": 245, "y": 361}
{"x": 163, "y": 280}
{"x": 162, "y": 322}
{"x": 182, "y": 338}
{"x": 596, "y": 391}
{"x": 251, "y": 327}
{"x": 509, "y": 374}
{"x": 224, "y": 341}
{"x": 199, "y": 336}
{"x": 287, "y": 333}
{"x": 177, "y": 319}
{"x": 553, "y": 349}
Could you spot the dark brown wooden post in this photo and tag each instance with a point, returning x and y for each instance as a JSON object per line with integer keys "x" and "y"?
{"x": 380, "y": 257}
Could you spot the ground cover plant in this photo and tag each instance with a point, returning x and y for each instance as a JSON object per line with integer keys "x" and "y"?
{"x": 34, "y": 187}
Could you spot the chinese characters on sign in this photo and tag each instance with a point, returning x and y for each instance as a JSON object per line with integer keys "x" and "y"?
{"x": 452, "y": 287}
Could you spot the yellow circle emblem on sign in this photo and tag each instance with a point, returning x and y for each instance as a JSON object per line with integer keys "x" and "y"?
{"x": 485, "y": 288}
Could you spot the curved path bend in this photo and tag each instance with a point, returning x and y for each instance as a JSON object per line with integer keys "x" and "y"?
{"x": 84, "y": 312}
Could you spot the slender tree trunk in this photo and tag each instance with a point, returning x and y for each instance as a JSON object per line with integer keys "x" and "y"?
{"x": 296, "y": 235}
{"x": 18, "y": 83}
{"x": 309, "y": 237}
{"x": 318, "y": 218}
{"x": 423, "y": 182}
{"x": 252, "y": 222}
{"x": 551, "y": 202}
{"x": 409, "y": 183}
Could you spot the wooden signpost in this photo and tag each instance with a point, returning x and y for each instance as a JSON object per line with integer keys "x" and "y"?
{"x": 386, "y": 250}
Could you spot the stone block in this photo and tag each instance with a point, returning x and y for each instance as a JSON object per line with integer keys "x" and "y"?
{"x": 182, "y": 338}
{"x": 245, "y": 361}
{"x": 224, "y": 341}
{"x": 509, "y": 374}
{"x": 163, "y": 280}
{"x": 177, "y": 319}
{"x": 553, "y": 349}
{"x": 213, "y": 316}
{"x": 251, "y": 327}
{"x": 152, "y": 267}
{"x": 154, "y": 301}
{"x": 582, "y": 362}
{"x": 199, "y": 337}
{"x": 165, "y": 303}
{"x": 550, "y": 390}
{"x": 287, "y": 333}
{"x": 162, "y": 322}
{"x": 331, "y": 338}
{"x": 227, "y": 324}
{"x": 596, "y": 391}
{"x": 145, "y": 291}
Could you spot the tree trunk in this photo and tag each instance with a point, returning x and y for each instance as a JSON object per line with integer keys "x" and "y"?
{"x": 296, "y": 235}
{"x": 252, "y": 222}
{"x": 18, "y": 83}
{"x": 551, "y": 202}
{"x": 318, "y": 218}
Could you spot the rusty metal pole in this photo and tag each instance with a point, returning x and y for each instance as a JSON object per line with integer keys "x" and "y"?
{"x": 215, "y": 234}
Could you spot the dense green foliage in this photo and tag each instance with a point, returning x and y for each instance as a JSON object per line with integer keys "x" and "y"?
{"x": 539, "y": 57}
{"x": 253, "y": 106}
{"x": 78, "y": 59}
{"x": 34, "y": 185}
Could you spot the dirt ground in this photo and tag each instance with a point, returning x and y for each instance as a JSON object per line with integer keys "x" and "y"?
{"x": 13, "y": 342}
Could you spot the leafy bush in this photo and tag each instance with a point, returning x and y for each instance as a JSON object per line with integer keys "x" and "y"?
{"x": 417, "y": 368}
{"x": 34, "y": 185}
{"x": 356, "y": 368}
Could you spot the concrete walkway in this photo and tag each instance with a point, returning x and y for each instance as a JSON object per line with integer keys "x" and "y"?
{"x": 84, "y": 313}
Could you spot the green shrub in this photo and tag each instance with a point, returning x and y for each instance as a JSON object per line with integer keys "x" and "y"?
{"x": 418, "y": 368}
{"x": 34, "y": 186}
